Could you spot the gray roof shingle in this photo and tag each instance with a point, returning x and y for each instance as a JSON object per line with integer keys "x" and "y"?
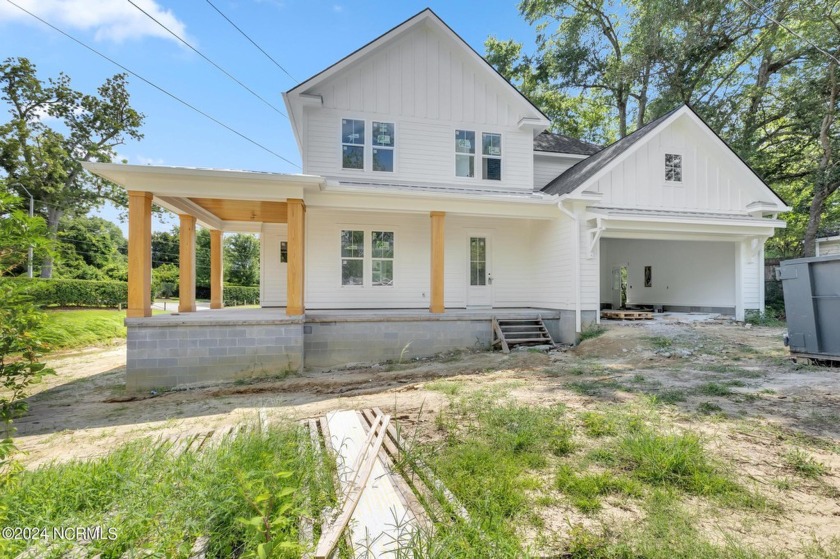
{"x": 576, "y": 175}
{"x": 558, "y": 143}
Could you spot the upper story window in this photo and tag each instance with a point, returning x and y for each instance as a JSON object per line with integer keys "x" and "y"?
{"x": 673, "y": 167}
{"x": 464, "y": 153}
{"x": 491, "y": 156}
{"x": 352, "y": 144}
{"x": 382, "y": 141}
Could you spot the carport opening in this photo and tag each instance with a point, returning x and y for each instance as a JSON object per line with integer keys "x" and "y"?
{"x": 665, "y": 275}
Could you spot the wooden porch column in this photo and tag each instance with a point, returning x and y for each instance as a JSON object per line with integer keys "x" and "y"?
{"x": 186, "y": 277}
{"x": 139, "y": 254}
{"x": 295, "y": 267}
{"x": 217, "y": 270}
{"x": 436, "y": 302}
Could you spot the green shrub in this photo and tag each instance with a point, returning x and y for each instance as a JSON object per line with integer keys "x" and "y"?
{"x": 240, "y": 295}
{"x": 72, "y": 293}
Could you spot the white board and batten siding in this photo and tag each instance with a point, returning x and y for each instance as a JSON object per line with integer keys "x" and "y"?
{"x": 713, "y": 179}
{"x": 427, "y": 86}
{"x": 272, "y": 270}
{"x": 511, "y": 263}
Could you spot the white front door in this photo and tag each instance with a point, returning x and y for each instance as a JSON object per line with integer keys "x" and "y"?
{"x": 479, "y": 270}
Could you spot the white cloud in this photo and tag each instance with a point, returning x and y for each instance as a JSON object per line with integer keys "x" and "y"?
{"x": 338, "y": 8}
{"x": 109, "y": 20}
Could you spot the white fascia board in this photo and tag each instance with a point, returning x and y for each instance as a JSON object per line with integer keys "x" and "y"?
{"x": 185, "y": 206}
{"x": 688, "y": 235}
{"x": 828, "y": 239}
{"x": 537, "y": 125}
{"x": 205, "y": 183}
{"x": 461, "y": 205}
{"x": 723, "y": 221}
{"x": 296, "y": 120}
{"x": 578, "y": 156}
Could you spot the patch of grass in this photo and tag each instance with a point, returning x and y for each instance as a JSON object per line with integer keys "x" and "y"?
{"x": 673, "y": 461}
{"x": 713, "y": 389}
{"x": 672, "y": 396}
{"x": 83, "y": 327}
{"x": 583, "y": 369}
{"x": 448, "y": 387}
{"x": 586, "y": 489}
{"x": 804, "y": 464}
{"x": 160, "y": 503}
{"x": 708, "y": 408}
{"x": 592, "y": 387}
{"x": 591, "y": 332}
{"x": 661, "y": 342}
{"x": 597, "y": 424}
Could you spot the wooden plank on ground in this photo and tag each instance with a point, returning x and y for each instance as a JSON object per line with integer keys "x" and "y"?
{"x": 348, "y": 427}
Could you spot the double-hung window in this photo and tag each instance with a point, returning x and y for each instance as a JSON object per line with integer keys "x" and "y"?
{"x": 382, "y": 140}
{"x": 491, "y": 156}
{"x": 673, "y": 167}
{"x": 382, "y": 257}
{"x": 352, "y": 257}
{"x": 352, "y": 143}
{"x": 464, "y": 153}
{"x": 360, "y": 266}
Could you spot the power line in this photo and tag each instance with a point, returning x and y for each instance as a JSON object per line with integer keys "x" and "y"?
{"x": 252, "y": 41}
{"x": 791, "y": 31}
{"x": 138, "y": 76}
{"x": 199, "y": 53}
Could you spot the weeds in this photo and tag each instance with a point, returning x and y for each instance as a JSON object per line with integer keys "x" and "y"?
{"x": 591, "y": 332}
{"x": 713, "y": 389}
{"x": 586, "y": 490}
{"x": 597, "y": 424}
{"x": 803, "y": 464}
{"x": 671, "y": 396}
{"x": 661, "y": 342}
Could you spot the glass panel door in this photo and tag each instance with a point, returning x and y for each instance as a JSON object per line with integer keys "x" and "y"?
{"x": 478, "y": 261}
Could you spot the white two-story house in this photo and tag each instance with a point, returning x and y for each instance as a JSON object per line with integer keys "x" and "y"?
{"x": 432, "y": 199}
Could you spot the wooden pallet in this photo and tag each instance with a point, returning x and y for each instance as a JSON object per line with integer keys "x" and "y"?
{"x": 626, "y": 315}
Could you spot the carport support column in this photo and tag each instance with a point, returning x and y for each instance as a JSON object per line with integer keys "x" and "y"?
{"x": 217, "y": 270}
{"x": 139, "y": 254}
{"x": 186, "y": 276}
{"x": 295, "y": 270}
{"x": 437, "y": 266}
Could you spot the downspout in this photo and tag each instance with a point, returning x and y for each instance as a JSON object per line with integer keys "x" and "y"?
{"x": 574, "y": 217}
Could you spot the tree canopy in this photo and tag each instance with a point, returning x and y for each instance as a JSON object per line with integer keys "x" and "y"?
{"x": 763, "y": 73}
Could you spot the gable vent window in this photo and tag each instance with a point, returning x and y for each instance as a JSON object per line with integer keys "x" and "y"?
{"x": 383, "y": 146}
{"x": 673, "y": 167}
{"x": 464, "y": 153}
{"x": 491, "y": 160}
{"x": 352, "y": 144}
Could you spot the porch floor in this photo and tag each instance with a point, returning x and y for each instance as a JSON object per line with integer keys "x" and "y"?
{"x": 234, "y": 315}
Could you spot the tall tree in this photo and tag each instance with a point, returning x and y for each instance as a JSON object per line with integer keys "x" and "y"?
{"x": 242, "y": 260}
{"x": 45, "y": 160}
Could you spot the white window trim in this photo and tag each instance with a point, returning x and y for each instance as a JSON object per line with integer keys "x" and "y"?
{"x": 478, "y": 155}
{"x": 367, "y": 259}
{"x": 393, "y": 149}
{"x": 499, "y": 157}
{"x": 683, "y": 160}
{"x": 367, "y": 158}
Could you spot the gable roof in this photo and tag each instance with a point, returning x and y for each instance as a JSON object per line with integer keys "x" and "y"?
{"x": 560, "y": 143}
{"x": 426, "y": 15}
{"x": 579, "y": 175}
{"x": 536, "y": 117}
{"x": 576, "y": 175}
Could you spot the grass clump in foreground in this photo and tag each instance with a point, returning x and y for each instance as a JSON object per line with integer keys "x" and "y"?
{"x": 490, "y": 453}
{"x": 84, "y": 327}
{"x": 585, "y": 489}
{"x": 245, "y": 494}
{"x": 804, "y": 465}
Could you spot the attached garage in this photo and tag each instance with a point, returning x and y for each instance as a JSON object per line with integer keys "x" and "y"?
{"x": 681, "y": 276}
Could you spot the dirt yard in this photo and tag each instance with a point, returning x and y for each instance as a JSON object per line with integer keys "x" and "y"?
{"x": 732, "y": 384}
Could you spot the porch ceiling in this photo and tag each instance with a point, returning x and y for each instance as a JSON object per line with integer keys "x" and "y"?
{"x": 244, "y": 210}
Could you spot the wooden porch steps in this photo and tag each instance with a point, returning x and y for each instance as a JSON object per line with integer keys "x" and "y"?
{"x": 509, "y": 332}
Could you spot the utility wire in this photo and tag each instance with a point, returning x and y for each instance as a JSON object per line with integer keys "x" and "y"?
{"x": 199, "y": 53}
{"x": 791, "y": 31}
{"x": 252, "y": 41}
{"x": 138, "y": 76}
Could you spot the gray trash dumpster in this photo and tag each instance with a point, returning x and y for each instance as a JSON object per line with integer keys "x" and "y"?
{"x": 812, "y": 305}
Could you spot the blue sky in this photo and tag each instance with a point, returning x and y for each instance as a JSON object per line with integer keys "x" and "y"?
{"x": 303, "y": 36}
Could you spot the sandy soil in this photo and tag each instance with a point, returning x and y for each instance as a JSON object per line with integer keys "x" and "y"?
{"x": 773, "y": 406}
